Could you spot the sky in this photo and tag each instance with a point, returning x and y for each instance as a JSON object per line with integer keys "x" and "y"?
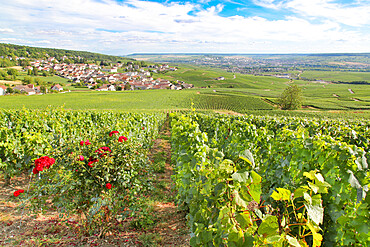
{"x": 121, "y": 27}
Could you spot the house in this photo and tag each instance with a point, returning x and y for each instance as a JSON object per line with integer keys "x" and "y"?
{"x": 109, "y": 87}
{"x": 25, "y": 89}
{"x": 57, "y": 87}
{"x": 30, "y": 91}
{"x": 140, "y": 87}
{"x": 112, "y": 70}
{"x": 19, "y": 88}
{"x": 2, "y": 90}
{"x": 102, "y": 89}
{"x": 176, "y": 87}
{"x": 186, "y": 85}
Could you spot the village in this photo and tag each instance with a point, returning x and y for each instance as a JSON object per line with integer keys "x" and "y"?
{"x": 99, "y": 78}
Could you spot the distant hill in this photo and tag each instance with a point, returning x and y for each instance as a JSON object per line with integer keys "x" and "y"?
{"x": 10, "y": 50}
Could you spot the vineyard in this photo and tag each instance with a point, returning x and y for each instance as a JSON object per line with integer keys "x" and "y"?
{"x": 242, "y": 180}
{"x": 258, "y": 181}
{"x": 232, "y": 102}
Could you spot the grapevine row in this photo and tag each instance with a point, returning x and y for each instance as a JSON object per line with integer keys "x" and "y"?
{"x": 284, "y": 152}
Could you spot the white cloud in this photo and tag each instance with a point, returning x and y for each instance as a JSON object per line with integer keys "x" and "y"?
{"x": 353, "y": 15}
{"x": 143, "y": 26}
{"x": 272, "y": 4}
{"x": 6, "y": 30}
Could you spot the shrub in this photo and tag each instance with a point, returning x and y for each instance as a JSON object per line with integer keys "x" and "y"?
{"x": 291, "y": 98}
{"x": 98, "y": 179}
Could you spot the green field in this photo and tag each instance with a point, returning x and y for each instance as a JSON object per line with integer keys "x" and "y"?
{"x": 138, "y": 100}
{"x": 326, "y": 96}
{"x": 237, "y": 92}
{"x": 336, "y": 76}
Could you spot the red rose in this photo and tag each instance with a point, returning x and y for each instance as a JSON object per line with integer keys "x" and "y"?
{"x": 81, "y": 158}
{"x": 108, "y": 186}
{"x": 106, "y": 149}
{"x": 16, "y": 193}
{"x": 113, "y": 132}
{"x": 82, "y": 143}
{"x": 21, "y": 191}
{"x": 143, "y": 128}
{"x": 121, "y": 138}
{"x": 41, "y": 163}
{"x": 87, "y": 142}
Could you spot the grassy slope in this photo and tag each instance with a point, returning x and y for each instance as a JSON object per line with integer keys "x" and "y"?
{"x": 133, "y": 100}
{"x": 315, "y": 94}
{"x": 337, "y": 75}
{"x": 253, "y": 88}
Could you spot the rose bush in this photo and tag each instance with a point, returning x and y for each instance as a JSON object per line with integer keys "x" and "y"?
{"x": 101, "y": 180}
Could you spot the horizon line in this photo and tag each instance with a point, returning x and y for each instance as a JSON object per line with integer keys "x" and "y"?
{"x": 221, "y": 53}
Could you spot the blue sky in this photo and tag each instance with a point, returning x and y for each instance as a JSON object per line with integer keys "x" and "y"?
{"x": 121, "y": 27}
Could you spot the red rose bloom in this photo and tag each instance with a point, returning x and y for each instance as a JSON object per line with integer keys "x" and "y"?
{"x": 41, "y": 163}
{"x": 143, "y": 128}
{"x": 21, "y": 191}
{"x": 121, "y": 138}
{"x": 16, "y": 193}
{"x": 81, "y": 158}
{"x": 106, "y": 149}
{"x": 87, "y": 142}
{"x": 108, "y": 186}
{"x": 113, "y": 132}
{"x": 35, "y": 171}
{"x": 82, "y": 143}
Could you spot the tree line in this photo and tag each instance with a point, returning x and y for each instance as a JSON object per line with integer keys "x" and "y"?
{"x": 12, "y": 51}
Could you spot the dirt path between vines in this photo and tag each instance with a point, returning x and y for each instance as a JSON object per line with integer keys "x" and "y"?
{"x": 47, "y": 229}
{"x": 172, "y": 227}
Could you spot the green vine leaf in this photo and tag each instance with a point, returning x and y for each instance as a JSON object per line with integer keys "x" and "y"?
{"x": 269, "y": 226}
{"x": 282, "y": 194}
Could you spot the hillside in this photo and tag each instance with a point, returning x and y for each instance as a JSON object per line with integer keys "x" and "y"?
{"x": 10, "y": 50}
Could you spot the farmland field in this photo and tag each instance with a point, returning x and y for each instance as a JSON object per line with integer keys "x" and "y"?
{"x": 337, "y": 75}
{"x": 158, "y": 100}
{"x": 325, "y": 96}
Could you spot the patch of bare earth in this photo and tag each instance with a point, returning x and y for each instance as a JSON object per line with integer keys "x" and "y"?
{"x": 20, "y": 227}
{"x": 172, "y": 225}
{"x": 229, "y": 112}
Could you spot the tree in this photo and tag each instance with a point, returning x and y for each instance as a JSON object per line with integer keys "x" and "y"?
{"x": 12, "y": 72}
{"x": 35, "y": 71}
{"x": 127, "y": 86}
{"x": 38, "y": 81}
{"x": 291, "y": 98}
{"x": 43, "y": 89}
{"x": 27, "y": 80}
{"x": 3, "y": 75}
{"x": 9, "y": 90}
